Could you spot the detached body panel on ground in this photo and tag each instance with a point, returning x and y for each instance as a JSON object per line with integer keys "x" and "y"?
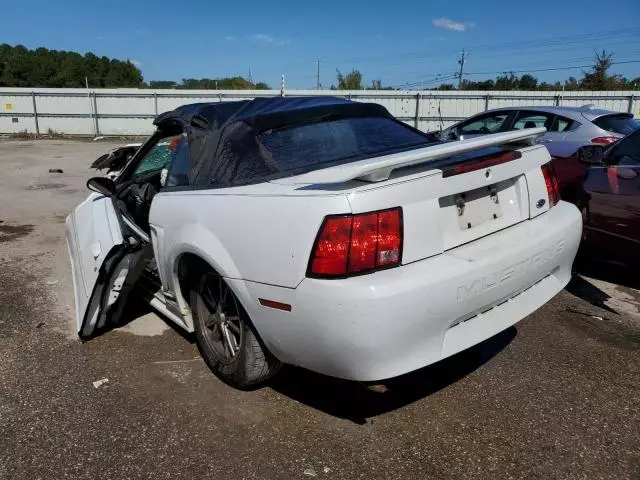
{"x": 338, "y": 239}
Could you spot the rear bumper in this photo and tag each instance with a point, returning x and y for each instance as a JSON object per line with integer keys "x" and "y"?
{"x": 388, "y": 323}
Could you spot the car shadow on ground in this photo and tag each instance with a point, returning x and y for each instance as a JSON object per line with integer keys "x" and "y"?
{"x": 587, "y": 291}
{"x": 601, "y": 268}
{"x": 590, "y": 267}
{"x": 358, "y": 402}
{"x": 136, "y": 308}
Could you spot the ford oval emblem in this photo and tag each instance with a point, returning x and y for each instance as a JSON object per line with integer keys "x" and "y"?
{"x": 540, "y": 203}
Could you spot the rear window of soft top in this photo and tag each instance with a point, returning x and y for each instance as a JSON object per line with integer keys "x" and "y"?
{"x": 344, "y": 140}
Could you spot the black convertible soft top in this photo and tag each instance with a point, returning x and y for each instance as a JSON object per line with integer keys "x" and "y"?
{"x": 224, "y": 137}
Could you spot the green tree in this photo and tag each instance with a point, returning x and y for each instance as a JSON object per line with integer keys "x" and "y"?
{"x": 527, "y": 82}
{"x": 21, "y": 67}
{"x": 506, "y": 82}
{"x": 598, "y": 78}
{"x": 162, "y": 84}
{"x": 350, "y": 81}
{"x": 571, "y": 84}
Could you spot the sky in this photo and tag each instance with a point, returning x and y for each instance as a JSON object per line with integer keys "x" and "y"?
{"x": 409, "y": 43}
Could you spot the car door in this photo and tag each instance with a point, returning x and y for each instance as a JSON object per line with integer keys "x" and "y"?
{"x": 613, "y": 192}
{"x": 93, "y": 234}
{"x": 109, "y": 250}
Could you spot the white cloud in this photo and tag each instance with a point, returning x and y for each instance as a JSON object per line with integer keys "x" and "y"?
{"x": 136, "y": 63}
{"x": 264, "y": 38}
{"x": 230, "y": 38}
{"x": 452, "y": 25}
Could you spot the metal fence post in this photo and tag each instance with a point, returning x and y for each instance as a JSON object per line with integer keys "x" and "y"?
{"x": 486, "y": 102}
{"x": 556, "y": 100}
{"x": 416, "y": 122}
{"x": 95, "y": 112}
{"x": 631, "y": 100}
{"x": 35, "y": 112}
{"x": 155, "y": 103}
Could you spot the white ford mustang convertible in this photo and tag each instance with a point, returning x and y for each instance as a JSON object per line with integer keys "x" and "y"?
{"x": 321, "y": 233}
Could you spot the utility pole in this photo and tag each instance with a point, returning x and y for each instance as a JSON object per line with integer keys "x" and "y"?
{"x": 318, "y": 75}
{"x": 461, "y": 62}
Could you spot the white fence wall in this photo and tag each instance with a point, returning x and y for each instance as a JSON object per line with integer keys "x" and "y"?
{"x": 131, "y": 111}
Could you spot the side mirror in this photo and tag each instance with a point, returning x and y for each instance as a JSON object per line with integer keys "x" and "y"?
{"x": 591, "y": 154}
{"x": 102, "y": 185}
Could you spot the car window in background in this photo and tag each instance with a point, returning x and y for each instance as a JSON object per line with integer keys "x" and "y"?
{"x": 526, "y": 119}
{"x": 330, "y": 142}
{"x": 563, "y": 124}
{"x": 623, "y": 124}
{"x": 628, "y": 147}
{"x": 486, "y": 124}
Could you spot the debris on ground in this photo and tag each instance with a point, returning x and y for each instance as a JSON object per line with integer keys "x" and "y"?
{"x": 52, "y": 282}
{"x": 40, "y": 325}
{"x": 56, "y": 170}
{"x": 97, "y": 383}
{"x": 586, "y": 314}
{"x": 310, "y": 473}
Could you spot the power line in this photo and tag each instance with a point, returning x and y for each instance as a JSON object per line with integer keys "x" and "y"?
{"x": 442, "y": 77}
{"x": 536, "y": 43}
{"x": 548, "y": 69}
{"x": 538, "y": 56}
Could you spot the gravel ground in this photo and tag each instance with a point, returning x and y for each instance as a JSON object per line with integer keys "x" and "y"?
{"x": 558, "y": 396}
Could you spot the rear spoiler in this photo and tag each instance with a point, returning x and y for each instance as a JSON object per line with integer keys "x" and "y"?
{"x": 379, "y": 169}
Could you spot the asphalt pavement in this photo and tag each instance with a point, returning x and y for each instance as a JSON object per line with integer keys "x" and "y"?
{"x": 557, "y": 396}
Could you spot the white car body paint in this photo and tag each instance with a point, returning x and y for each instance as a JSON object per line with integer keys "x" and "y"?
{"x": 92, "y": 231}
{"x": 456, "y": 286}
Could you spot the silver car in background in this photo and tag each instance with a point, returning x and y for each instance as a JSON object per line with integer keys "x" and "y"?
{"x": 567, "y": 127}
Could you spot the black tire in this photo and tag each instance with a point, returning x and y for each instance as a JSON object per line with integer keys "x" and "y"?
{"x": 251, "y": 365}
{"x": 585, "y": 232}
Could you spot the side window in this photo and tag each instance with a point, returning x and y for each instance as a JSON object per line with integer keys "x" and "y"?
{"x": 158, "y": 157}
{"x": 625, "y": 149}
{"x": 180, "y": 166}
{"x": 526, "y": 119}
{"x": 563, "y": 124}
{"x": 491, "y": 123}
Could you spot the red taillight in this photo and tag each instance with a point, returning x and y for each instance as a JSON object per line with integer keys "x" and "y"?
{"x": 551, "y": 180}
{"x": 332, "y": 247}
{"x": 389, "y": 238}
{"x": 604, "y": 140}
{"x": 353, "y": 244}
{"x": 362, "y": 252}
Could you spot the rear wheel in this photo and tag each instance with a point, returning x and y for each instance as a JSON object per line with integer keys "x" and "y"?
{"x": 225, "y": 336}
{"x": 585, "y": 219}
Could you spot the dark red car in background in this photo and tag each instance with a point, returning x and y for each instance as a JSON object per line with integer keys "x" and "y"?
{"x": 609, "y": 195}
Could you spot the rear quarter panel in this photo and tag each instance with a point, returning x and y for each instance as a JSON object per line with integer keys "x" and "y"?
{"x": 259, "y": 237}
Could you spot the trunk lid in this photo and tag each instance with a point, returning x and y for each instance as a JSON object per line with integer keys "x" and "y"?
{"x": 462, "y": 200}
